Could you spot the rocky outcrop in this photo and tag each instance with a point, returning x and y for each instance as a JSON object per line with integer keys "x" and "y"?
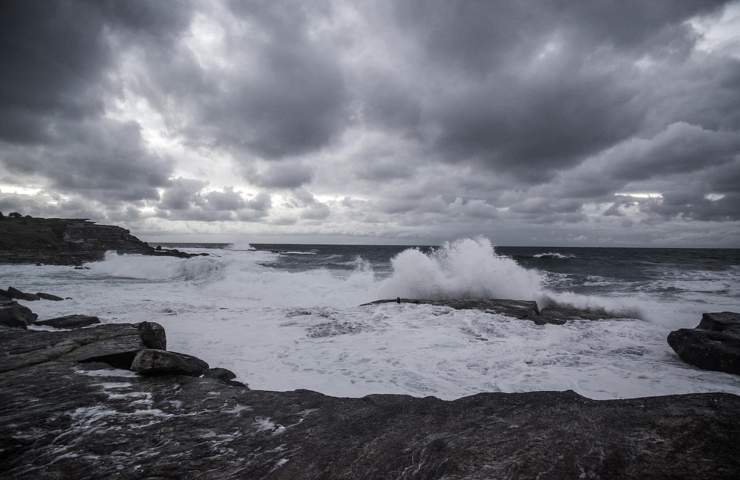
{"x": 161, "y": 362}
{"x": 553, "y": 313}
{"x": 72, "y": 408}
{"x": 15, "y": 293}
{"x": 67, "y": 241}
{"x": 69, "y": 321}
{"x": 49, "y": 296}
{"x": 12, "y": 314}
{"x": 713, "y": 345}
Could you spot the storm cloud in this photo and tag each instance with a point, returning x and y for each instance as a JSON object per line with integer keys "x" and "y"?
{"x": 587, "y": 123}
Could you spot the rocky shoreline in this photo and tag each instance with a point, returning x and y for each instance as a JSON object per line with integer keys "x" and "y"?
{"x": 57, "y": 241}
{"x": 109, "y": 401}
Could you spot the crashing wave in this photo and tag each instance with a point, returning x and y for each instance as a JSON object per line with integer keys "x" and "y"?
{"x": 467, "y": 268}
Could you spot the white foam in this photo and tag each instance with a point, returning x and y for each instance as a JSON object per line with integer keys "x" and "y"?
{"x": 464, "y": 268}
{"x": 244, "y": 318}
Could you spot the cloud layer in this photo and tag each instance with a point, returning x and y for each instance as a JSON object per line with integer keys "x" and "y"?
{"x": 593, "y": 123}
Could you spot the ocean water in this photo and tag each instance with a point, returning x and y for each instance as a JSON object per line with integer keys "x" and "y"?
{"x": 284, "y": 317}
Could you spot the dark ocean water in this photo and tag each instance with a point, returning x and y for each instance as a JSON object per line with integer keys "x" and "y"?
{"x": 665, "y": 272}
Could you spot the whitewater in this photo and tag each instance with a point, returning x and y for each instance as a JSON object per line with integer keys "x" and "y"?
{"x": 282, "y": 325}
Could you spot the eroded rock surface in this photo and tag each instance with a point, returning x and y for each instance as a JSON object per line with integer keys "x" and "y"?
{"x": 554, "y": 313}
{"x": 713, "y": 345}
{"x": 66, "y": 413}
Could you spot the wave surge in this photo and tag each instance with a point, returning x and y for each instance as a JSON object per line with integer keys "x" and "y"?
{"x": 466, "y": 268}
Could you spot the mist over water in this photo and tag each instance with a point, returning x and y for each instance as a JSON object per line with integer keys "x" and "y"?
{"x": 288, "y": 316}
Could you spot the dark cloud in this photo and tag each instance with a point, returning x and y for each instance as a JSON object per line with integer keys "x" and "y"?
{"x": 435, "y": 118}
{"x": 56, "y": 59}
{"x": 283, "y": 175}
{"x": 188, "y": 199}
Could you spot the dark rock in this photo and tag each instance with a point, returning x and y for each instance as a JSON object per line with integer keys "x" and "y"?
{"x": 553, "y": 313}
{"x": 713, "y": 345}
{"x": 161, "y": 362}
{"x": 220, "y": 374}
{"x": 115, "y": 344}
{"x": 728, "y": 322}
{"x": 56, "y": 241}
{"x": 70, "y": 321}
{"x": 49, "y": 296}
{"x": 15, "y": 293}
{"x": 62, "y": 419}
{"x": 153, "y": 335}
{"x": 14, "y": 315}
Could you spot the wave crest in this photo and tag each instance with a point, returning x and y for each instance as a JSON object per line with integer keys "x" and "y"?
{"x": 464, "y": 268}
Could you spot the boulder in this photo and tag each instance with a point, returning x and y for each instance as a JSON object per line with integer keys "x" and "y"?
{"x": 713, "y": 345}
{"x": 15, "y": 293}
{"x": 728, "y": 322}
{"x": 16, "y": 316}
{"x": 161, "y": 362}
{"x": 49, "y": 296}
{"x": 114, "y": 344}
{"x": 220, "y": 374}
{"x": 70, "y": 321}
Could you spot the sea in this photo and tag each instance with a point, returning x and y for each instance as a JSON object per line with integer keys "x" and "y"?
{"x": 286, "y": 317}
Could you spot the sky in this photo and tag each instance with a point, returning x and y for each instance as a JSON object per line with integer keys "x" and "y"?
{"x": 600, "y": 123}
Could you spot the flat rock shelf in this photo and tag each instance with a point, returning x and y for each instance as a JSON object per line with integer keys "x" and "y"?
{"x": 73, "y": 408}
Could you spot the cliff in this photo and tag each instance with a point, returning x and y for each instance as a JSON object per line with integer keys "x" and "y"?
{"x": 60, "y": 241}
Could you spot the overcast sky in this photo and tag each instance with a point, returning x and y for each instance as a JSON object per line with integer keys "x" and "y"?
{"x": 533, "y": 123}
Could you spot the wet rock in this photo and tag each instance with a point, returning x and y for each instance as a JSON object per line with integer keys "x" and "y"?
{"x": 15, "y": 315}
{"x": 49, "y": 296}
{"x": 70, "y": 321}
{"x": 713, "y": 345}
{"x": 63, "y": 419}
{"x": 153, "y": 335}
{"x": 115, "y": 344}
{"x": 161, "y": 362}
{"x": 553, "y": 313}
{"x": 728, "y": 322}
{"x": 15, "y": 293}
{"x": 220, "y": 374}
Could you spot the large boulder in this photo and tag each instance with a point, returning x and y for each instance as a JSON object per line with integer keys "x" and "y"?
{"x": 713, "y": 345}
{"x": 161, "y": 362}
{"x": 14, "y": 315}
{"x": 70, "y": 321}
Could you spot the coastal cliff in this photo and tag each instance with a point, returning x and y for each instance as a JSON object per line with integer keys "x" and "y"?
{"x": 58, "y": 241}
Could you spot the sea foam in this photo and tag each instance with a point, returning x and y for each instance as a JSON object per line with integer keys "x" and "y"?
{"x": 467, "y": 268}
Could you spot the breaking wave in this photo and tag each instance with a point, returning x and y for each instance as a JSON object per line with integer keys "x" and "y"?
{"x": 140, "y": 267}
{"x": 466, "y": 268}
